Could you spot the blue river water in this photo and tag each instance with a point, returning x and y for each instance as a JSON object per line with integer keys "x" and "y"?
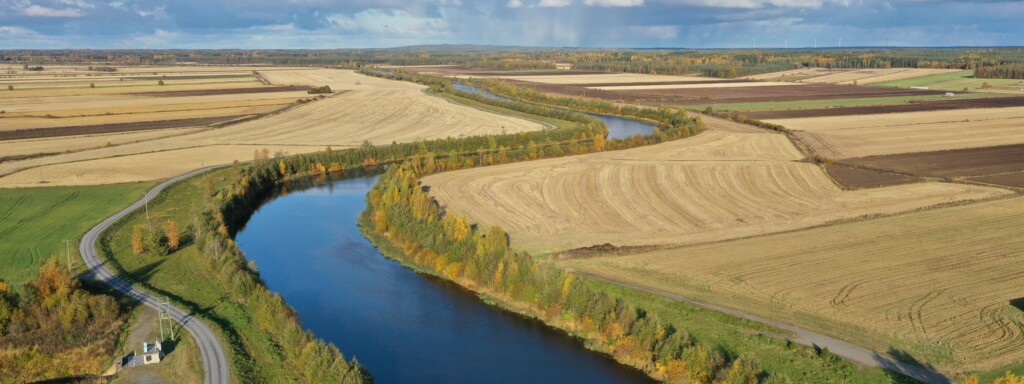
{"x": 403, "y": 326}
{"x": 618, "y": 128}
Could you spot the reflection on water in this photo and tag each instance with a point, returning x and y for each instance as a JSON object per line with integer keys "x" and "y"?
{"x": 403, "y": 326}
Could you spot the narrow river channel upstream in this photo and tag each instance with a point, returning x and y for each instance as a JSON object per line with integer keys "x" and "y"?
{"x": 403, "y": 326}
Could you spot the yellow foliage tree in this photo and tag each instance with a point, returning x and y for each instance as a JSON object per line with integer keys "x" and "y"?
{"x": 173, "y": 235}
{"x": 138, "y": 244}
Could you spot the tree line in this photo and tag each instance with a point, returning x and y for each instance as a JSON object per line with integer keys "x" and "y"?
{"x": 1008, "y": 71}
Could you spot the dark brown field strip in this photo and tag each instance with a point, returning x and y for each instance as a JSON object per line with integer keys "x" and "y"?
{"x": 646, "y": 83}
{"x": 953, "y": 163}
{"x": 728, "y": 94}
{"x": 862, "y": 178}
{"x": 914, "y": 106}
{"x": 231, "y": 91}
{"x": 112, "y": 128}
{"x": 190, "y": 77}
{"x": 1015, "y": 179}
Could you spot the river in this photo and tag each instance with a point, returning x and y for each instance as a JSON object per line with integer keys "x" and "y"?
{"x": 618, "y": 127}
{"x": 403, "y": 326}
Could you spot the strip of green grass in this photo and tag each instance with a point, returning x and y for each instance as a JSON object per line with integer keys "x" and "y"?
{"x": 953, "y": 81}
{"x": 755, "y": 341}
{"x": 34, "y": 222}
{"x": 834, "y": 103}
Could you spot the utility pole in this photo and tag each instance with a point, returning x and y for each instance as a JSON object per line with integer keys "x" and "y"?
{"x": 815, "y": 42}
{"x": 67, "y": 245}
{"x": 785, "y": 44}
{"x": 755, "y": 43}
{"x": 840, "y": 42}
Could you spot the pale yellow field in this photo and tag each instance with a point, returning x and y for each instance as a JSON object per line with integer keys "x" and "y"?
{"x": 688, "y": 86}
{"x": 624, "y": 78}
{"x": 373, "y": 109}
{"x": 881, "y": 134}
{"x": 869, "y": 76}
{"x": 85, "y": 91}
{"x": 712, "y": 187}
{"x": 77, "y": 143}
{"x": 794, "y": 74}
{"x": 103, "y": 104}
{"x": 936, "y": 284}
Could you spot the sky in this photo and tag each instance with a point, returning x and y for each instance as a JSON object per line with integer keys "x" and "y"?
{"x": 324, "y": 24}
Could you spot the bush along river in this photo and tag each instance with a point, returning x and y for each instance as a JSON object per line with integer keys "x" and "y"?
{"x": 403, "y": 326}
{"x": 618, "y": 127}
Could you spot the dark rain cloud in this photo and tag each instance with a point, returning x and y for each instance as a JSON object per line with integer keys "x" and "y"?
{"x": 591, "y": 23}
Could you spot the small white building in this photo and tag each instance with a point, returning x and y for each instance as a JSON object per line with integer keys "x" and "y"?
{"x": 950, "y": 94}
{"x": 563, "y": 66}
{"x": 152, "y": 353}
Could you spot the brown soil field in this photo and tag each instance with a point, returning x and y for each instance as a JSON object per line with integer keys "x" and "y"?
{"x": 711, "y": 187}
{"x": 842, "y": 137}
{"x": 621, "y": 78}
{"x": 17, "y": 148}
{"x": 938, "y": 285}
{"x": 869, "y": 76}
{"x": 695, "y": 85}
{"x": 856, "y": 178}
{"x": 638, "y": 83}
{"x": 793, "y": 74}
{"x": 373, "y": 109}
{"x": 20, "y": 123}
{"x": 953, "y": 163}
{"x": 916, "y": 106}
{"x": 1015, "y": 179}
{"x": 75, "y": 106}
{"x": 112, "y": 128}
{"x": 705, "y": 95}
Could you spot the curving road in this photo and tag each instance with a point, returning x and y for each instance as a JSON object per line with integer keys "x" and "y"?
{"x": 803, "y": 336}
{"x": 215, "y": 363}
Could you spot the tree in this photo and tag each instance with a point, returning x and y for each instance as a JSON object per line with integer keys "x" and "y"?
{"x": 208, "y": 185}
{"x": 138, "y": 244}
{"x": 10, "y": 87}
{"x": 161, "y": 82}
{"x": 173, "y": 236}
{"x": 599, "y": 142}
{"x": 92, "y": 85}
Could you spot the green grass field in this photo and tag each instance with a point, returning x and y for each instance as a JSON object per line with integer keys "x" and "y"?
{"x": 34, "y": 222}
{"x": 833, "y": 103}
{"x": 954, "y": 81}
{"x": 753, "y": 340}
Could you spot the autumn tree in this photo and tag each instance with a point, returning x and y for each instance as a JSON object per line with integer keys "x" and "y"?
{"x": 599, "y": 142}
{"x": 173, "y": 236}
{"x": 138, "y": 244}
{"x": 208, "y": 185}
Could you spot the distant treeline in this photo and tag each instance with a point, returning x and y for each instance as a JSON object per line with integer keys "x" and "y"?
{"x": 718, "y": 63}
{"x": 1010, "y": 71}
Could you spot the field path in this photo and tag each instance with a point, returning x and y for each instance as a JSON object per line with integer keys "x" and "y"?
{"x": 803, "y": 336}
{"x": 215, "y": 363}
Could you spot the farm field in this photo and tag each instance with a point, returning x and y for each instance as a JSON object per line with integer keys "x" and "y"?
{"x": 587, "y": 78}
{"x": 893, "y": 283}
{"x": 927, "y": 103}
{"x": 378, "y": 110}
{"x": 871, "y": 76}
{"x": 959, "y": 81}
{"x": 975, "y": 163}
{"x": 829, "y": 107}
{"x": 55, "y": 145}
{"x": 34, "y": 222}
{"x": 712, "y": 187}
{"x": 891, "y": 133}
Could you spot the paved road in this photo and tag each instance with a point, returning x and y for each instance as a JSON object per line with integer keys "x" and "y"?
{"x": 803, "y": 336}
{"x": 215, "y": 363}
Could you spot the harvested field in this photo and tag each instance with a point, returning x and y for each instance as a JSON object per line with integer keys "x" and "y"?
{"x": 639, "y": 83}
{"x": 856, "y": 178}
{"x": 86, "y": 91}
{"x": 76, "y": 106}
{"x": 255, "y": 108}
{"x": 623, "y": 78}
{"x": 233, "y": 91}
{"x": 838, "y": 104}
{"x": 1015, "y": 179}
{"x": 953, "y": 163}
{"x": 916, "y": 106}
{"x": 937, "y": 285}
{"x": 884, "y": 134}
{"x": 19, "y": 148}
{"x": 373, "y": 109}
{"x": 462, "y": 71}
{"x": 712, "y": 187}
{"x": 960, "y": 81}
{"x": 793, "y": 74}
{"x": 870, "y": 76}
{"x": 112, "y": 128}
{"x": 695, "y": 84}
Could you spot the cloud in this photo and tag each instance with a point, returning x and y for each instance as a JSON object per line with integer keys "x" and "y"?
{"x": 614, "y": 3}
{"x": 9, "y": 31}
{"x": 40, "y": 11}
{"x": 554, "y": 3}
{"x": 750, "y": 3}
{"x": 655, "y": 31}
{"x": 514, "y": 4}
